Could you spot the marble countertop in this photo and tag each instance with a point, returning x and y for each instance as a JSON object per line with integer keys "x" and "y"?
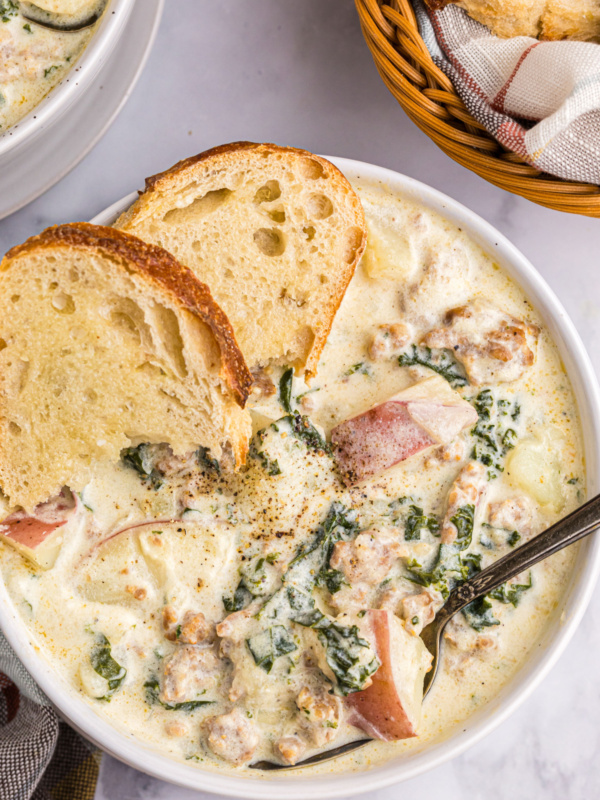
{"x": 299, "y": 73}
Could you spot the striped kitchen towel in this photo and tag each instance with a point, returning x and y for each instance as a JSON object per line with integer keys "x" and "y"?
{"x": 539, "y": 99}
{"x": 41, "y": 757}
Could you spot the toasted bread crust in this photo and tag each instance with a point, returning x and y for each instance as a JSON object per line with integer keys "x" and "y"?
{"x": 162, "y": 270}
{"x": 164, "y": 180}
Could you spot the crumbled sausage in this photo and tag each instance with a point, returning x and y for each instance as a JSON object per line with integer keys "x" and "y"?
{"x": 262, "y": 385}
{"x": 233, "y": 737}
{"x": 321, "y": 714}
{"x": 388, "y": 340}
{"x": 308, "y": 403}
{"x": 369, "y": 557}
{"x": 466, "y": 490}
{"x": 233, "y": 626}
{"x": 420, "y": 609}
{"x": 514, "y": 513}
{"x": 187, "y": 673}
{"x": 454, "y": 451}
{"x": 193, "y": 628}
{"x": 137, "y": 592}
{"x": 291, "y": 748}
{"x": 492, "y": 345}
{"x": 176, "y": 729}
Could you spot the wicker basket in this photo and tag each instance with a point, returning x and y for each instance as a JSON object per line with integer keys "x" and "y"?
{"x": 428, "y": 97}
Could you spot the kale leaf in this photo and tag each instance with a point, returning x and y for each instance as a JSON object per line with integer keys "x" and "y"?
{"x": 360, "y": 368}
{"x": 104, "y": 664}
{"x": 479, "y": 614}
{"x": 302, "y": 428}
{"x": 285, "y": 390}
{"x": 492, "y": 439}
{"x": 140, "y": 459}
{"x": 205, "y": 460}
{"x": 450, "y": 568}
{"x": 415, "y": 521}
{"x": 270, "y": 644}
{"x": 241, "y": 598}
{"x": 343, "y": 645}
{"x": 440, "y": 361}
{"x": 8, "y": 9}
{"x": 511, "y": 592}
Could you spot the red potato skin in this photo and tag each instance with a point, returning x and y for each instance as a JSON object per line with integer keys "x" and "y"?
{"x": 372, "y": 442}
{"x": 377, "y": 710}
{"x": 28, "y": 531}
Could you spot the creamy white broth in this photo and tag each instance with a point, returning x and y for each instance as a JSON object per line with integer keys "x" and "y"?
{"x": 259, "y": 514}
{"x": 34, "y": 59}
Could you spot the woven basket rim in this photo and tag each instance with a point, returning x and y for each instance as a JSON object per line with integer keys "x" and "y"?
{"x": 429, "y": 99}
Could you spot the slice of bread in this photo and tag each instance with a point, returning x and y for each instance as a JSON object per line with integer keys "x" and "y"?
{"x": 106, "y": 342}
{"x": 546, "y": 19}
{"x": 275, "y": 232}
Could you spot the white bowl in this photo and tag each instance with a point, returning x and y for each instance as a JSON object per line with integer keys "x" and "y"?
{"x": 296, "y": 787}
{"x": 75, "y": 82}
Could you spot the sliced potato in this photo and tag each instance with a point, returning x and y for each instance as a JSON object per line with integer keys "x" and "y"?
{"x": 534, "y": 467}
{"x": 117, "y": 572}
{"x": 390, "y": 255}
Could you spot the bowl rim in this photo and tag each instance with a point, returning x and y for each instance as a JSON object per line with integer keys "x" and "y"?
{"x": 295, "y": 786}
{"x": 76, "y": 81}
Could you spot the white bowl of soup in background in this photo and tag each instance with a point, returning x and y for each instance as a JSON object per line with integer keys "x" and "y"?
{"x": 325, "y": 781}
{"x": 75, "y": 82}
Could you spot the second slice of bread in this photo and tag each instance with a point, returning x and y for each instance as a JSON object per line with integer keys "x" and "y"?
{"x": 106, "y": 342}
{"x": 275, "y": 232}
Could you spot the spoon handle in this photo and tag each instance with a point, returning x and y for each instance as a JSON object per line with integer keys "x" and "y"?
{"x": 580, "y": 523}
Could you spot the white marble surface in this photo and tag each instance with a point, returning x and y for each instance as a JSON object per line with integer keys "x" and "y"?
{"x": 298, "y": 72}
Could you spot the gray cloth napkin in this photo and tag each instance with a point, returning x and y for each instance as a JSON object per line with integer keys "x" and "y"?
{"x": 41, "y": 757}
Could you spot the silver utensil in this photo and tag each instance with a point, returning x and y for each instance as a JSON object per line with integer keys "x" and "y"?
{"x": 68, "y": 23}
{"x": 571, "y": 529}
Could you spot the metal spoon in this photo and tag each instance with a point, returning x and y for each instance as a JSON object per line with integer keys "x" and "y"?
{"x": 580, "y": 523}
{"x": 45, "y": 19}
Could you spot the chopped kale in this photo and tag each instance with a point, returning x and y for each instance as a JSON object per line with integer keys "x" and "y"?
{"x": 303, "y": 429}
{"x": 492, "y": 439}
{"x": 50, "y": 70}
{"x": 270, "y": 465}
{"x": 511, "y": 592}
{"x": 104, "y": 664}
{"x": 152, "y": 688}
{"x": 269, "y": 644}
{"x": 440, "y": 361}
{"x": 361, "y": 369}
{"x": 241, "y": 598}
{"x": 8, "y": 9}
{"x": 343, "y": 646}
{"x": 479, "y": 614}
{"x": 450, "y": 568}
{"x": 339, "y": 524}
{"x": 206, "y": 461}
{"x": 416, "y": 521}
{"x": 140, "y": 459}
{"x": 285, "y": 390}
{"x": 27, "y": 27}
{"x": 514, "y": 537}
{"x": 254, "y": 576}
{"x": 464, "y": 521}
{"x": 294, "y": 602}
